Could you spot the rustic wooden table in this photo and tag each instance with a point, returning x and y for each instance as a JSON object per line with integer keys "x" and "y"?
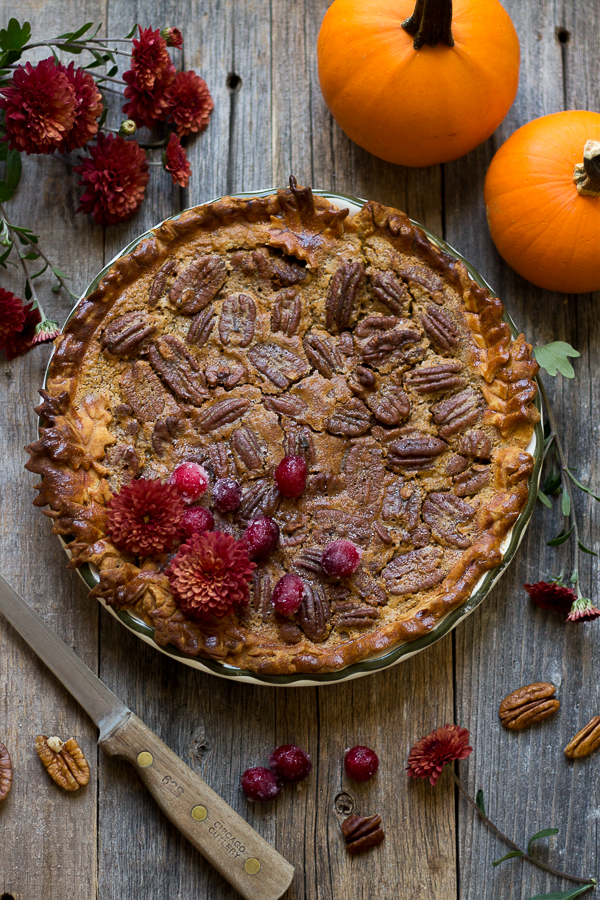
{"x": 110, "y": 841}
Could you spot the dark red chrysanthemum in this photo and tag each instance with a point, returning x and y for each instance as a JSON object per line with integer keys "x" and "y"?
{"x": 12, "y": 315}
{"x": 429, "y": 756}
{"x": 191, "y": 103}
{"x": 551, "y": 595}
{"x": 148, "y": 107}
{"x": 88, "y": 108}
{"x": 176, "y": 162}
{"x": 583, "y": 609}
{"x": 115, "y": 176}
{"x": 41, "y": 106}
{"x": 149, "y": 58}
{"x": 144, "y": 517}
{"x": 173, "y": 37}
{"x": 22, "y": 341}
{"x": 210, "y": 574}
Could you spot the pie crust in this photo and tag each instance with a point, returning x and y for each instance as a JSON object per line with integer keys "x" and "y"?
{"x": 250, "y": 328}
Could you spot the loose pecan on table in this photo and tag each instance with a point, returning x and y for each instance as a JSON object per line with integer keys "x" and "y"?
{"x": 527, "y": 705}
{"x": 585, "y": 741}
{"x": 6, "y": 774}
{"x": 126, "y": 335}
{"x": 362, "y": 833}
{"x": 342, "y": 296}
{"x": 64, "y": 762}
{"x": 198, "y": 284}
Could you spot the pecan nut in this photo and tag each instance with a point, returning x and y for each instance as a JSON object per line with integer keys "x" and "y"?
{"x": 351, "y": 420}
{"x": 358, "y": 617}
{"x": 178, "y": 369}
{"x": 309, "y": 561}
{"x": 440, "y": 328}
{"x": 126, "y": 335}
{"x": 279, "y": 364}
{"x": 322, "y": 354}
{"x": 281, "y": 272}
{"x": 261, "y": 596}
{"x": 342, "y": 296}
{"x": 528, "y": 705}
{"x": 457, "y": 412}
{"x": 421, "y": 275}
{"x": 362, "y": 833}
{"x": 585, "y": 741}
{"x": 286, "y": 405}
{"x": 392, "y": 293}
{"x": 261, "y": 499}
{"x": 415, "y": 571}
{"x": 371, "y": 325}
{"x": 236, "y": 322}
{"x": 475, "y": 444}
{"x": 221, "y": 373}
{"x": 389, "y": 344}
{"x": 314, "y": 613}
{"x": 64, "y": 762}
{"x": 446, "y": 515}
{"x": 246, "y": 445}
{"x": 6, "y": 774}
{"x": 390, "y": 408}
{"x": 201, "y": 327}
{"x": 473, "y": 480}
{"x": 414, "y": 452}
{"x": 430, "y": 379}
{"x": 160, "y": 282}
{"x": 286, "y": 312}
{"x": 222, "y": 413}
{"x": 198, "y": 285}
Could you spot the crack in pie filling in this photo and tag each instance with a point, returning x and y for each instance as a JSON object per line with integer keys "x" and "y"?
{"x": 251, "y": 329}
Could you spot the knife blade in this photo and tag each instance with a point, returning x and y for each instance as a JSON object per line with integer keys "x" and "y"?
{"x": 237, "y": 851}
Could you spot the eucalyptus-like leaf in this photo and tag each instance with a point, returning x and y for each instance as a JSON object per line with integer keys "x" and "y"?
{"x": 557, "y": 541}
{"x": 59, "y": 273}
{"x": 553, "y": 358}
{"x": 565, "y": 502}
{"x": 547, "y": 832}
{"x": 41, "y": 272}
{"x": 511, "y": 855}
{"x": 586, "y": 549}
{"x": 132, "y": 32}
{"x": 480, "y": 801}
{"x": 543, "y": 498}
{"x": 563, "y": 895}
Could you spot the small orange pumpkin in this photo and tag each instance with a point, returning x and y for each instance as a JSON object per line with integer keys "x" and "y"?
{"x": 423, "y": 89}
{"x": 542, "y": 199}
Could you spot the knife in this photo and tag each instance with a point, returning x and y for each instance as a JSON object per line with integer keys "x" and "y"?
{"x": 234, "y": 848}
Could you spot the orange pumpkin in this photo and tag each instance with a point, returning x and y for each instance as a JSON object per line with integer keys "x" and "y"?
{"x": 422, "y": 97}
{"x": 542, "y": 198}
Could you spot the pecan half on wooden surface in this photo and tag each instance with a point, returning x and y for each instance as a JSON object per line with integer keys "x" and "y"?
{"x": 65, "y": 763}
{"x": 527, "y": 705}
{"x": 6, "y": 774}
{"x": 585, "y": 741}
{"x": 362, "y": 833}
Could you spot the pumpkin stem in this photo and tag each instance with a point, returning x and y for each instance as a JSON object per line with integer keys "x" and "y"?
{"x": 586, "y": 175}
{"x": 430, "y": 22}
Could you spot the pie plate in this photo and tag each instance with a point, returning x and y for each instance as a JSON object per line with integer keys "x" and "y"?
{"x": 508, "y": 548}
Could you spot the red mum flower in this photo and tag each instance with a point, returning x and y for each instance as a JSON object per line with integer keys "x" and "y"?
{"x": 115, "y": 176}
{"x": 551, "y": 595}
{"x": 21, "y": 341}
{"x": 12, "y": 315}
{"x": 173, "y": 37}
{"x": 429, "y": 756}
{"x": 191, "y": 103}
{"x": 144, "y": 517}
{"x": 149, "y": 58}
{"x": 582, "y": 610}
{"x": 148, "y": 107}
{"x": 176, "y": 162}
{"x": 41, "y": 106}
{"x": 210, "y": 574}
{"x": 87, "y": 111}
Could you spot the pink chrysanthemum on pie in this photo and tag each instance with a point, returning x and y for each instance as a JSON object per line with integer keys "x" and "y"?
{"x": 87, "y": 111}
{"x": 429, "y": 756}
{"x": 191, "y": 103}
{"x": 21, "y": 341}
{"x": 149, "y": 58}
{"x": 551, "y": 595}
{"x": 40, "y": 105}
{"x": 210, "y": 575}
{"x": 115, "y": 176}
{"x": 144, "y": 517}
{"x": 12, "y": 315}
{"x": 176, "y": 162}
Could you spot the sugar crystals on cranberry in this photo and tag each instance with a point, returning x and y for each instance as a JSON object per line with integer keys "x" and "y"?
{"x": 260, "y": 783}
{"x": 290, "y": 763}
{"x": 288, "y": 594}
{"x": 197, "y": 519}
{"x": 227, "y": 494}
{"x": 261, "y": 536}
{"x": 340, "y": 558}
{"x": 361, "y": 763}
{"x": 290, "y": 476}
{"x": 191, "y": 480}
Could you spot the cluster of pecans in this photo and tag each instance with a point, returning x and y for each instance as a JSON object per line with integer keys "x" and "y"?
{"x": 64, "y": 762}
{"x": 534, "y": 702}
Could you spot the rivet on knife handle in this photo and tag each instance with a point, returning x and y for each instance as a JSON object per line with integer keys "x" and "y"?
{"x": 247, "y": 861}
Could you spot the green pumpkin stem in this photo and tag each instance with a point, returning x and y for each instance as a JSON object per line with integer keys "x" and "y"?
{"x": 586, "y": 175}
{"x": 430, "y": 23}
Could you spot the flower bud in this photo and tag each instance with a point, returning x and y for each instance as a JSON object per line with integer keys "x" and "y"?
{"x": 172, "y": 36}
{"x": 128, "y": 128}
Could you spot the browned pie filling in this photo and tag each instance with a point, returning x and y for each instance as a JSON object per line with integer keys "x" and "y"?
{"x": 250, "y": 329}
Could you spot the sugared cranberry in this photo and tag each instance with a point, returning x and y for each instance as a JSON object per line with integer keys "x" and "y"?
{"x": 340, "y": 558}
{"x": 290, "y": 476}
{"x": 197, "y": 519}
{"x": 261, "y": 536}
{"x": 287, "y": 595}
{"x": 260, "y": 784}
{"x": 290, "y": 763}
{"x": 191, "y": 480}
{"x": 227, "y": 494}
{"x": 361, "y": 763}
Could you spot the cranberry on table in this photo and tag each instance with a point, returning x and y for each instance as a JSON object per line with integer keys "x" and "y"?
{"x": 288, "y": 594}
{"x": 290, "y": 476}
{"x": 260, "y": 784}
{"x": 290, "y": 763}
{"x": 191, "y": 480}
{"x": 227, "y": 494}
{"x": 197, "y": 519}
{"x": 361, "y": 763}
{"x": 261, "y": 536}
{"x": 340, "y": 558}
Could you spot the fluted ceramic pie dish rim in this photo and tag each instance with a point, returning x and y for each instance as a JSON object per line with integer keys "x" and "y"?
{"x": 403, "y": 651}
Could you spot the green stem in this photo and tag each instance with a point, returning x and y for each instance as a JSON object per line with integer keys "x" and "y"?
{"x": 38, "y": 250}
{"x": 84, "y": 45}
{"x": 430, "y": 23}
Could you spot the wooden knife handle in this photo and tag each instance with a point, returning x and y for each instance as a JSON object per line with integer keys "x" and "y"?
{"x": 235, "y": 849}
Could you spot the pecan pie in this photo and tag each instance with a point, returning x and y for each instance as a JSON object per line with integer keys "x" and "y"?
{"x": 248, "y": 329}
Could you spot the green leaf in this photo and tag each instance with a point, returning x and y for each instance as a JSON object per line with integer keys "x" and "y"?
{"x": 5, "y": 192}
{"x": 554, "y": 358}
{"x": 13, "y": 169}
{"x": 562, "y": 537}
{"x": 71, "y": 48}
{"x": 103, "y": 116}
{"x": 563, "y": 895}
{"x": 3, "y": 151}
{"x": 132, "y": 32}
{"x": 113, "y": 71}
{"x": 77, "y": 34}
{"x": 58, "y": 272}
{"x": 30, "y": 255}
{"x": 4, "y": 257}
{"x": 15, "y": 35}
{"x": 28, "y": 294}
{"x": 586, "y": 549}
{"x": 565, "y": 503}
{"x": 543, "y": 498}
{"x": 511, "y": 855}
{"x": 580, "y": 485}
{"x": 41, "y": 272}
{"x": 547, "y": 832}
{"x": 479, "y": 801}
{"x": 56, "y": 288}
{"x": 552, "y": 483}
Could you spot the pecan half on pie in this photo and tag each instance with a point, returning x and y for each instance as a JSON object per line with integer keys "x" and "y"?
{"x": 251, "y": 329}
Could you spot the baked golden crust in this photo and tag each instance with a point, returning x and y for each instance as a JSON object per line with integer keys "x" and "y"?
{"x": 353, "y": 341}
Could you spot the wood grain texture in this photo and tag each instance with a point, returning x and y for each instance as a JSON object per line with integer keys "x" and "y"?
{"x": 270, "y": 121}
